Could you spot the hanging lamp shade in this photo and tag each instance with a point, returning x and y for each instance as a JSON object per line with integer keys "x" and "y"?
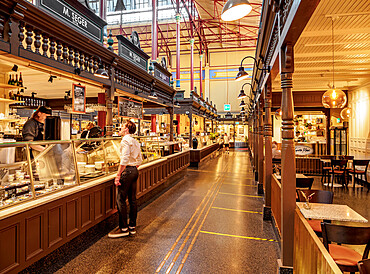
{"x": 242, "y": 104}
{"x": 242, "y": 95}
{"x": 334, "y": 98}
{"x": 235, "y": 9}
{"x": 345, "y": 114}
{"x": 278, "y": 113}
{"x": 242, "y": 110}
{"x": 242, "y": 75}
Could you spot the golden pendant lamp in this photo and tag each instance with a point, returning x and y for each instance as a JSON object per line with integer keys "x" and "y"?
{"x": 334, "y": 98}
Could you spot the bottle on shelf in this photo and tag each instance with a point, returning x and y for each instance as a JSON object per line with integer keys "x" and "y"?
{"x": 10, "y": 79}
{"x": 16, "y": 83}
{"x": 20, "y": 82}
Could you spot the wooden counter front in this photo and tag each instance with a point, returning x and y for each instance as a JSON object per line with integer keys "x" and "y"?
{"x": 199, "y": 155}
{"x": 31, "y": 230}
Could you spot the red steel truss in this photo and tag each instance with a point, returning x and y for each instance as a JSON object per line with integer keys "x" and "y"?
{"x": 204, "y": 25}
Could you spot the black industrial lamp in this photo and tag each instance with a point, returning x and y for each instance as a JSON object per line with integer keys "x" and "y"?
{"x": 101, "y": 72}
{"x": 242, "y": 104}
{"x": 15, "y": 68}
{"x": 153, "y": 95}
{"x": 242, "y": 74}
{"x": 235, "y": 9}
{"x": 242, "y": 110}
{"x": 242, "y": 94}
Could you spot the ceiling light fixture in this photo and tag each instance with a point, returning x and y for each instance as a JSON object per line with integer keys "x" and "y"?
{"x": 235, "y": 9}
{"x": 15, "y": 68}
{"x": 345, "y": 114}
{"x": 334, "y": 98}
{"x": 101, "y": 72}
{"x": 242, "y": 74}
{"x": 51, "y": 78}
{"x": 242, "y": 104}
{"x": 242, "y": 110}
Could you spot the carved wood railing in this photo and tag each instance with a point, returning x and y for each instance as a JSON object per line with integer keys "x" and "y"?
{"x": 276, "y": 201}
{"x": 310, "y": 255}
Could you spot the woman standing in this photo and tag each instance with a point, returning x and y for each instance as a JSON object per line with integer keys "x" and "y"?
{"x": 226, "y": 142}
{"x": 130, "y": 155}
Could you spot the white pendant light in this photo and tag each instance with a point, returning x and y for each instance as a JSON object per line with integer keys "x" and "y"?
{"x": 235, "y": 9}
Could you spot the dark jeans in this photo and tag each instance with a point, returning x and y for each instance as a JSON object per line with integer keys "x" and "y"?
{"x": 127, "y": 189}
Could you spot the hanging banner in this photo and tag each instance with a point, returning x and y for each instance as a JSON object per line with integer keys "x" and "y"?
{"x": 129, "y": 108}
{"x": 78, "y": 98}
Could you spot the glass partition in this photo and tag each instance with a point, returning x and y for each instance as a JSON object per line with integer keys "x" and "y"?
{"x": 15, "y": 174}
{"x": 32, "y": 169}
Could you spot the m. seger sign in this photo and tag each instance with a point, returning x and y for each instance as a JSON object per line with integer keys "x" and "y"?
{"x": 72, "y": 16}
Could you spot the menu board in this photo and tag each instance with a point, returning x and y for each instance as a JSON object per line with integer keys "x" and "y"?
{"x": 129, "y": 108}
{"x": 78, "y": 98}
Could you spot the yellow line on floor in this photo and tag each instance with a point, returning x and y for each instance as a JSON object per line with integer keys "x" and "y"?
{"x": 243, "y": 195}
{"x": 239, "y": 184}
{"x": 238, "y": 236}
{"x": 237, "y": 210}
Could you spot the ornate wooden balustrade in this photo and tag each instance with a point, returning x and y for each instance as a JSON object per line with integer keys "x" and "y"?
{"x": 30, "y": 34}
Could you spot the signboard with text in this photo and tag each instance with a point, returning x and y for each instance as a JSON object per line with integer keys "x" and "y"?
{"x": 71, "y": 16}
{"x": 129, "y": 108}
{"x": 132, "y": 53}
{"x": 78, "y": 98}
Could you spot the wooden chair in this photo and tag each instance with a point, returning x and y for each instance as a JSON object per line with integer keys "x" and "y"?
{"x": 326, "y": 168}
{"x": 339, "y": 171}
{"x": 320, "y": 196}
{"x": 346, "y": 258}
{"x": 364, "y": 266}
{"x": 304, "y": 182}
{"x": 359, "y": 174}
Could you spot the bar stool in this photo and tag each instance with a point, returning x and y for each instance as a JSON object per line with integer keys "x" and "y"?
{"x": 326, "y": 168}
{"x": 361, "y": 173}
{"x": 339, "y": 169}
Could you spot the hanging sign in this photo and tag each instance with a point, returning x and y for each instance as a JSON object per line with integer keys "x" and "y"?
{"x": 77, "y": 19}
{"x": 129, "y": 108}
{"x": 227, "y": 107}
{"x": 132, "y": 53}
{"x": 78, "y": 98}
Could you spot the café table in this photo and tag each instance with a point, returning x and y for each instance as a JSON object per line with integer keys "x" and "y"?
{"x": 333, "y": 212}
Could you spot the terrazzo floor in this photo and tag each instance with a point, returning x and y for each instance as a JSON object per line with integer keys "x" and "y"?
{"x": 209, "y": 222}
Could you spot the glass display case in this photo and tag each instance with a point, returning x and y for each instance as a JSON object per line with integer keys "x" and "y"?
{"x": 32, "y": 169}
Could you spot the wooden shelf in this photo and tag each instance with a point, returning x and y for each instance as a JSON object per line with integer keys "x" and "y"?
{"x": 6, "y": 86}
{"x": 9, "y": 101}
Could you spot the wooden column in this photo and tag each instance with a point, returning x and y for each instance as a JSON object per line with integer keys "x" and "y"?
{"x": 260, "y": 147}
{"x": 190, "y": 115}
{"x": 288, "y": 167}
{"x": 255, "y": 145}
{"x": 153, "y": 123}
{"x": 109, "y": 98}
{"x": 170, "y": 111}
{"x": 268, "y": 150}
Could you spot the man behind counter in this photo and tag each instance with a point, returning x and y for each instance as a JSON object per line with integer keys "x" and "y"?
{"x": 33, "y": 129}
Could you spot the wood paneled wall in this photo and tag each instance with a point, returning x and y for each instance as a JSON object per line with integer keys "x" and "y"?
{"x": 308, "y": 165}
{"x": 30, "y": 235}
{"x": 310, "y": 255}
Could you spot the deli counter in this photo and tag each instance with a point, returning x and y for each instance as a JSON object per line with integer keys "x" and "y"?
{"x": 47, "y": 198}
